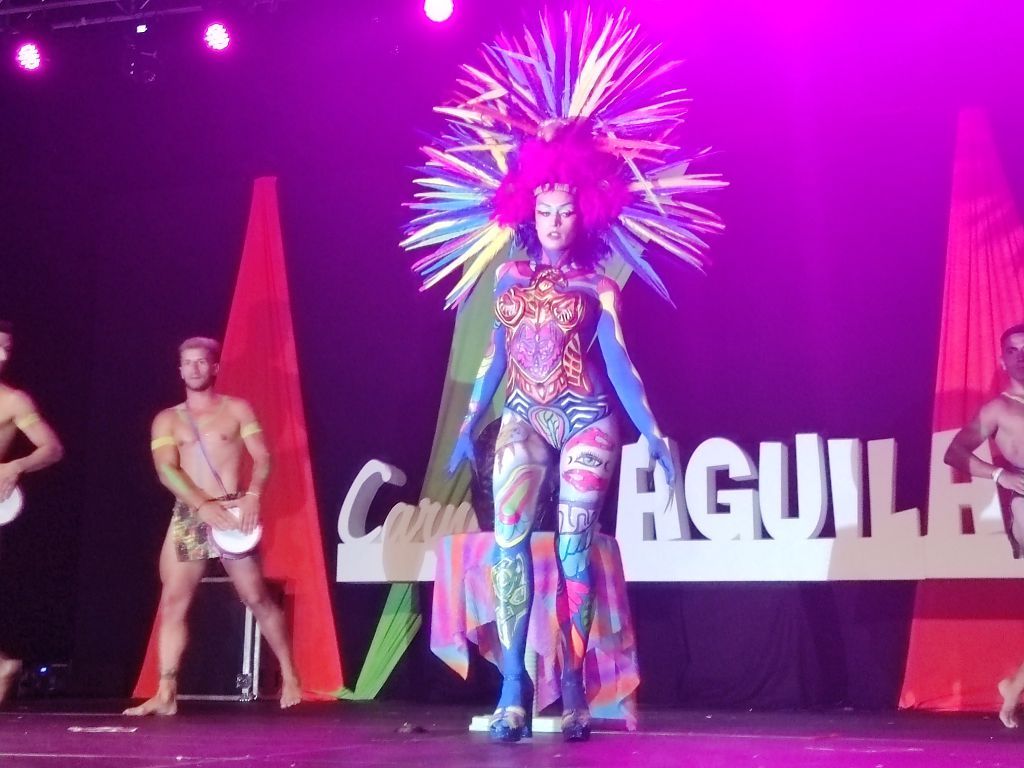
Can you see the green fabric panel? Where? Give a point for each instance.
(398, 625)
(402, 619)
(472, 334)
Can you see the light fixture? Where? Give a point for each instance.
(29, 56)
(217, 37)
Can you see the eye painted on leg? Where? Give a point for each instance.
(588, 459)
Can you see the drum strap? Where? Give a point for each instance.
(202, 449)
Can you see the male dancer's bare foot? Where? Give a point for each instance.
(9, 671)
(1008, 712)
(291, 692)
(164, 703)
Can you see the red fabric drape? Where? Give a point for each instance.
(259, 364)
(966, 635)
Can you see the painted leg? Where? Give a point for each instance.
(587, 463)
(520, 464)
(252, 589)
(179, 585)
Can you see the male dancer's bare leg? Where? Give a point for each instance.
(179, 580)
(252, 589)
(9, 670)
(1010, 689)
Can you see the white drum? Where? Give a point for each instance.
(10, 507)
(234, 542)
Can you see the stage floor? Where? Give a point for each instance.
(375, 735)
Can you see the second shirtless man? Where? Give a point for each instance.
(1001, 420)
(204, 488)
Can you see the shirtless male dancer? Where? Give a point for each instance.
(1001, 420)
(17, 412)
(204, 491)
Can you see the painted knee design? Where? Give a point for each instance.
(576, 525)
(510, 581)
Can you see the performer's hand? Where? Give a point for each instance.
(215, 513)
(658, 448)
(1012, 480)
(9, 475)
(463, 451)
(249, 504)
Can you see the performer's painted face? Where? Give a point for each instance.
(198, 371)
(6, 346)
(557, 220)
(1013, 356)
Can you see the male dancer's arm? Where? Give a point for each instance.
(252, 435)
(168, 469)
(960, 453)
(48, 449)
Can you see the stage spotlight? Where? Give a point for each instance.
(141, 29)
(217, 37)
(438, 10)
(29, 56)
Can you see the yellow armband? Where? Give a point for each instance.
(26, 421)
(161, 442)
(250, 429)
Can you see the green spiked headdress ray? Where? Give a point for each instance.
(604, 80)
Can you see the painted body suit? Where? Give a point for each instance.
(558, 337)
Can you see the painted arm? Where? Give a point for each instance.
(488, 378)
(168, 469)
(625, 379)
(252, 434)
(960, 453)
(48, 449)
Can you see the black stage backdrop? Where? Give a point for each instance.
(122, 213)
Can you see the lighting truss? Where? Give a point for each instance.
(65, 14)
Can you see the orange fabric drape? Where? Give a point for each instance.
(966, 635)
(259, 364)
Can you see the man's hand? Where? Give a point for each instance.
(462, 451)
(1011, 480)
(249, 505)
(9, 474)
(659, 451)
(215, 513)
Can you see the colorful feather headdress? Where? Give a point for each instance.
(565, 87)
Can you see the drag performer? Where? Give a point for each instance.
(1002, 421)
(18, 413)
(197, 451)
(559, 147)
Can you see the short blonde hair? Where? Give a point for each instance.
(211, 346)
